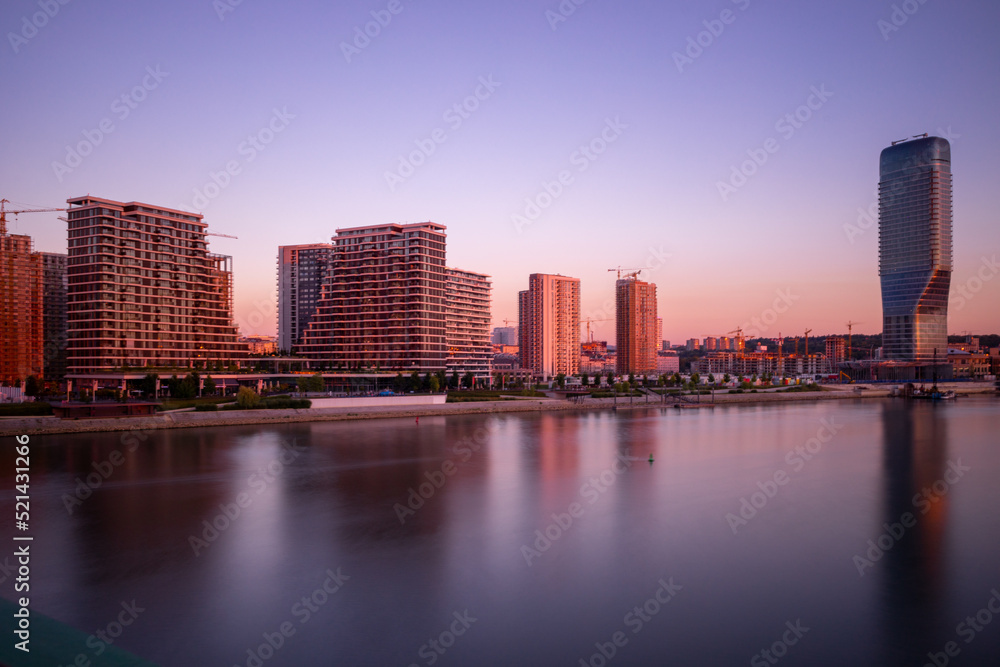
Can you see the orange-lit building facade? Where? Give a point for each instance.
(21, 352)
(635, 327)
(549, 325)
(143, 290)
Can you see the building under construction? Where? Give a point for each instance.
(21, 305)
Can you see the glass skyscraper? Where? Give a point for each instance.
(915, 249)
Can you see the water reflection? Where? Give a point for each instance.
(915, 458)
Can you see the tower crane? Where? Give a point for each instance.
(630, 273)
(850, 326)
(228, 236)
(739, 339)
(590, 337)
(808, 331)
(4, 211)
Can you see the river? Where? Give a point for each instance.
(858, 532)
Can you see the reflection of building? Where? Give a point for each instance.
(54, 331)
(301, 272)
(915, 470)
(21, 304)
(915, 249)
(468, 323)
(549, 325)
(144, 290)
(635, 326)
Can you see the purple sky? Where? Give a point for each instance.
(673, 130)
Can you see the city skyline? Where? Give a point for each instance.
(736, 171)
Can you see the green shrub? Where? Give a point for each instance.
(211, 407)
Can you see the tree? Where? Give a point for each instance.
(675, 380)
(454, 379)
(726, 378)
(148, 384)
(631, 379)
(468, 380)
(209, 385)
(695, 378)
(247, 398)
(425, 384)
(561, 380)
(611, 378)
(399, 384)
(584, 379)
(711, 378)
(435, 384)
(311, 383)
(31, 387)
(415, 381)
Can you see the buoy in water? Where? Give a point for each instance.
(650, 458)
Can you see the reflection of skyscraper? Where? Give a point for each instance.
(915, 248)
(914, 452)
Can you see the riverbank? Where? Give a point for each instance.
(187, 419)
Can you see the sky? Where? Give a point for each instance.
(729, 148)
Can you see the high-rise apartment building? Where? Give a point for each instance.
(21, 305)
(836, 352)
(635, 327)
(54, 324)
(504, 336)
(384, 301)
(468, 324)
(301, 272)
(549, 325)
(711, 344)
(143, 290)
(915, 248)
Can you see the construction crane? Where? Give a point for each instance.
(228, 236)
(630, 273)
(850, 327)
(808, 331)
(739, 338)
(4, 211)
(590, 336)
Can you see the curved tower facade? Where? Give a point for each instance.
(915, 249)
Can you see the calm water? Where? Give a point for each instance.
(650, 563)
